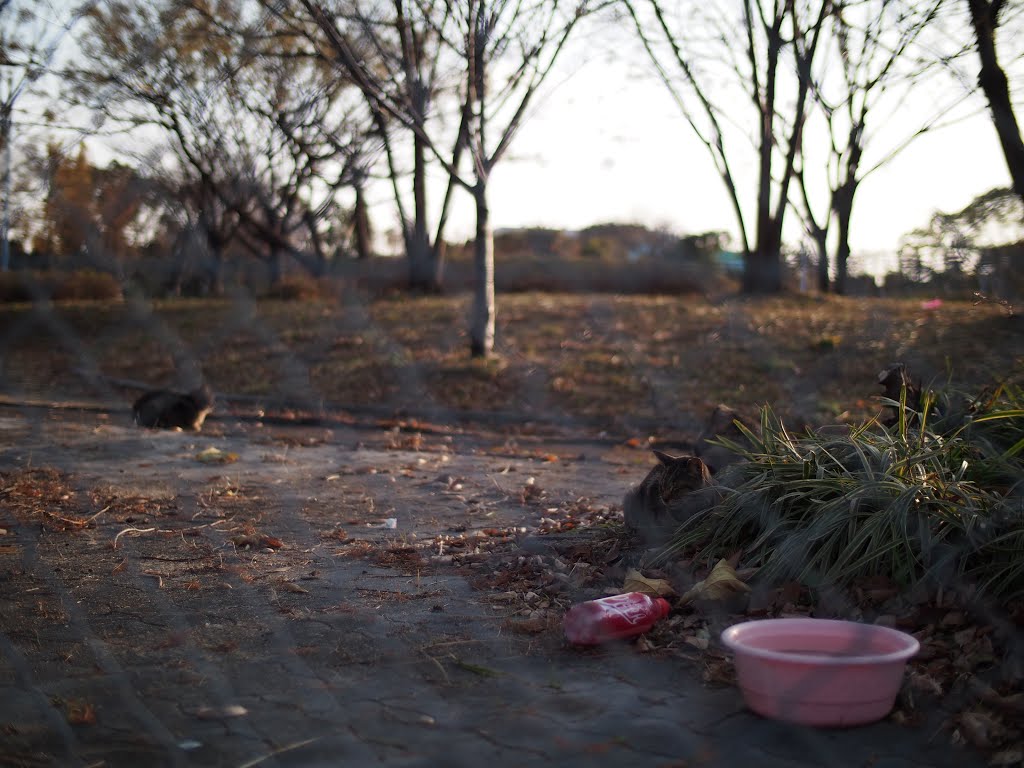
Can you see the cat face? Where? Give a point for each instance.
(681, 474)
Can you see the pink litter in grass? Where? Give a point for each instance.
(819, 671)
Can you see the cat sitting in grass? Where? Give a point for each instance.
(675, 489)
(164, 409)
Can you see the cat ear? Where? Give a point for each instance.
(664, 458)
(695, 466)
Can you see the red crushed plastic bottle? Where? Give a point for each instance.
(611, 618)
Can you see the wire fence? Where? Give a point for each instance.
(365, 554)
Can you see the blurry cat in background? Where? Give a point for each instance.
(164, 409)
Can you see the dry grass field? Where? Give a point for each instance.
(632, 366)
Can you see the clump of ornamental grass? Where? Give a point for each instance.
(936, 496)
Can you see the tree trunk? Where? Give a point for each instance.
(762, 268)
(821, 243)
(423, 268)
(361, 225)
(761, 272)
(756, 271)
(276, 266)
(481, 330)
(844, 211)
(996, 88)
(181, 254)
(842, 257)
(215, 271)
(423, 274)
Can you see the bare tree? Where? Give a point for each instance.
(985, 21)
(307, 139)
(29, 41)
(247, 114)
(726, 57)
(984, 238)
(393, 53)
(869, 43)
(506, 51)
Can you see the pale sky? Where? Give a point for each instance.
(607, 146)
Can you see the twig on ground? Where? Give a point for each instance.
(132, 530)
(440, 666)
(287, 748)
(497, 485)
(90, 519)
(68, 520)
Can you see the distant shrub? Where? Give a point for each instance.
(86, 285)
(14, 287)
(650, 277)
(304, 288)
(598, 248)
(81, 285)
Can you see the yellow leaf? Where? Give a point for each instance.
(216, 456)
(721, 584)
(699, 642)
(637, 582)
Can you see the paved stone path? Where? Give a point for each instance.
(180, 647)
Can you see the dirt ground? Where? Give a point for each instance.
(237, 598)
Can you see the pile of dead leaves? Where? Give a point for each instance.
(968, 665)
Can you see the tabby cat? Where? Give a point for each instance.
(675, 489)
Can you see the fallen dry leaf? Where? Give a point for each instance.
(637, 582)
(1011, 703)
(214, 455)
(529, 626)
(80, 713)
(921, 682)
(718, 671)
(979, 728)
(218, 713)
(338, 534)
(721, 584)
(964, 636)
(954, 619)
(289, 586)
(700, 641)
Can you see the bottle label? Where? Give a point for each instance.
(626, 607)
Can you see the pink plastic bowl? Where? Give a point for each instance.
(819, 671)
